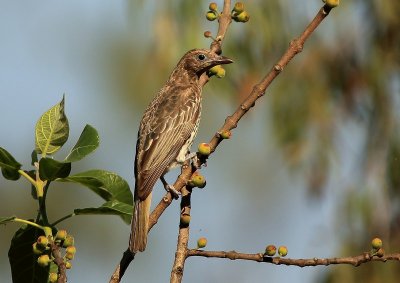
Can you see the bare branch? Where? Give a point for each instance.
(183, 239)
(59, 261)
(122, 266)
(259, 89)
(355, 260)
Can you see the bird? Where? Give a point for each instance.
(166, 132)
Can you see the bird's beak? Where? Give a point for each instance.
(222, 60)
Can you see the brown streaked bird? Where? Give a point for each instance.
(166, 132)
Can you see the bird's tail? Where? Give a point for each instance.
(140, 225)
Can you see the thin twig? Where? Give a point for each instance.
(354, 260)
(259, 89)
(62, 219)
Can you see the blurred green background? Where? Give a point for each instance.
(314, 166)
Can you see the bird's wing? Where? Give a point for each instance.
(166, 126)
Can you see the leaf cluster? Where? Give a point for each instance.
(51, 134)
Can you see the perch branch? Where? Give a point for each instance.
(355, 260)
(58, 260)
(183, 239)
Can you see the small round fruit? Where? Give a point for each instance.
(70, 252)
(220, 73)
(211, 16)
(61, 235)
(242, 17)
(270, 250)
(185, 219)
(70, 249)
(207, 34)
(68, 265)
(226, 134)
(282, 251)
(213, 71)
(53, 277)
(376, 243)
(42, 241)
(69, 241)
(239, 7)
(213, 6)
(331, 3)
(43, 260)
(197, 180)
(204, 149)
(201, 243)
(37, 250)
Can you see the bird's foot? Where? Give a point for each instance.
(170, 188)
(191, 155)
(195, 160)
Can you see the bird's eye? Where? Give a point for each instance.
(201, 57)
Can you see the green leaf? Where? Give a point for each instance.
(8, 161)
(9, 166)
(50, 169)
(109, 208)
(87, 143)
(10, 174)
(92, 183)
(52, 130)
(107, 185)
(5, 220)
(24, 267)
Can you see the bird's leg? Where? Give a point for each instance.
(193, 157)
(170, 188)
(190, 155)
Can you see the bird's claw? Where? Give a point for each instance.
(191, 155)
(175, 194)
(195, 160)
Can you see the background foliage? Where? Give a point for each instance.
(318, 165)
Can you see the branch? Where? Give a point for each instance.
(59, 261)
(119, 271)
(355, 260)
(224, 21)
(295, 47)
(183, 239)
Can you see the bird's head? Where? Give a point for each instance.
(201, 60)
